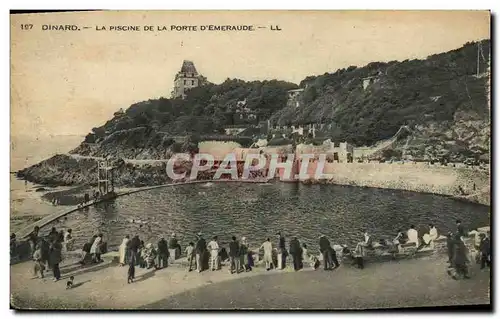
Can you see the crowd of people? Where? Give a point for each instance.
(48, 251)
(456, 248)
(210, 256)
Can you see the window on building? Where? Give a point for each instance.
(184, 82)
(192, 82)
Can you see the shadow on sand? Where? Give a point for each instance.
(83, 270)
(145, 276)
(80, 284)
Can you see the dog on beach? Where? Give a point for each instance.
(69, 284)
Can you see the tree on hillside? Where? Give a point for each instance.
(391, 154)
(190, 145)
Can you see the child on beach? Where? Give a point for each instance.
(39, 264)
(190, 254)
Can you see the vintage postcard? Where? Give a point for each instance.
(250, 160)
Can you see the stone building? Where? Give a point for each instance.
(294, 97)
(243, 113)
(337, 152)
(342, 152)
(369, 80)
(187, 78)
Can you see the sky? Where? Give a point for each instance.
(67, 82)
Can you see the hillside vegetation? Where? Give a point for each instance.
(440, 91)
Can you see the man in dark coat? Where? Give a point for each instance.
(282, 253)
(53, 235)
(33, 238)
(296, 252)
(200, 248)
(163, 253)
(234, 255)
(135, 244)
(485, 249)
(326, 250)
(55, 258)
(450, 246)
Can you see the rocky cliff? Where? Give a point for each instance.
(63, 170)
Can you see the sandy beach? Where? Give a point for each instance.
(402, 283)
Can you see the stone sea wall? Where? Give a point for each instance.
(467, 183)
(471, 184)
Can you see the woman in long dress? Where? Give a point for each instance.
(68, 240)
(95, 250)
(123, 251)
(460, 258)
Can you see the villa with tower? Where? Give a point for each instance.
(187, 78)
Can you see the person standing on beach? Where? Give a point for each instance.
(68, 240)
(33, 239)
(450, 247)
(95, 250)
(326, 250)
(282, 253)
(234, 255)
(485, 249)
(296, 252)
(267, 246)
(246, 261)
(163, 253)
(460, 258)
(213, 247)
(55, 258)
(86, 250)
(134, 246)
(39, 266)
(122, 250)
(173, 243)
(201, 247)
(190, 255)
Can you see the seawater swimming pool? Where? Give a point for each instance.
(258, 211)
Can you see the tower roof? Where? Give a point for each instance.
(188, 67)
